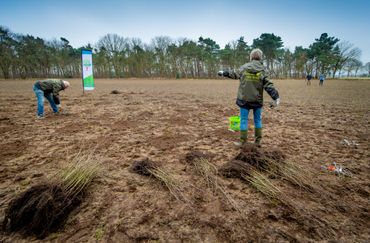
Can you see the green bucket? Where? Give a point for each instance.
(234, 123)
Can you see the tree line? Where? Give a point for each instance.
(26, 56)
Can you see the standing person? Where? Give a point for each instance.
(253, 79)
(321, 78)
(49, 89)
(308, 78)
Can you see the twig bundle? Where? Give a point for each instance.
(45, 207)
(148, 168)
(262, 184)
(209, 172)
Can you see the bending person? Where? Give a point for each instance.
(49, 89)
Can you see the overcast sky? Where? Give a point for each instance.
(297, 22)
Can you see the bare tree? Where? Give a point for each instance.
(367, 68)
(345, 53)
(357, 66)
(115, 46)
(160, 45)
(352, 65)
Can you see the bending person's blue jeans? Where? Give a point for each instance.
(40, 101)
(257, 117)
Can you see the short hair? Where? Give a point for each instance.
(256, 54)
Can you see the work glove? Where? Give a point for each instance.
(275, 103)
(223, 73)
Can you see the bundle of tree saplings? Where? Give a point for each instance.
(45, 207)
(258, 166)
(149, 168)
(201, 163)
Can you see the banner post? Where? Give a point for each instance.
(87, 70)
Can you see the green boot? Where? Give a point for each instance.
(243, 138)
(258, 135)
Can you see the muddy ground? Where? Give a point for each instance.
(163, 120)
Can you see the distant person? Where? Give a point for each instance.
(253, 79)
(49, 89)
(321, 78)
(308, 78)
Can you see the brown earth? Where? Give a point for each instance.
(164, 120)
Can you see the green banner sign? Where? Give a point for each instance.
(87, 70)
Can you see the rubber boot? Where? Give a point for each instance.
(258, 136)
(243, 139)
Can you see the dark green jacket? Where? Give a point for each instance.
(51, 86)
(253, 79)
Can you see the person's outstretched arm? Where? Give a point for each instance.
(229, 74)
(270, 89)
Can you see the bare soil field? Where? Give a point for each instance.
(165, 121)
